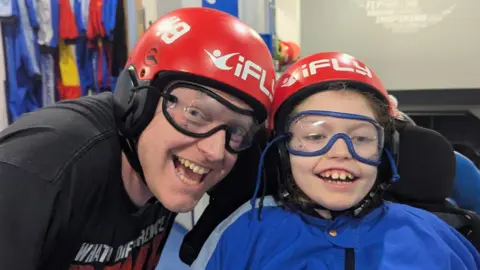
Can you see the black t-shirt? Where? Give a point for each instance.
(62, 200)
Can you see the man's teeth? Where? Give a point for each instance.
(194, 167)
(186, 179)
(337, 175)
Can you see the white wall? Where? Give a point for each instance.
(155, 9)
(250, 11)
(287, 20)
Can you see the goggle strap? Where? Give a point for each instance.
(260, 168)
(393, 166)
(156, 91)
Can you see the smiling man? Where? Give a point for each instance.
(94, 183)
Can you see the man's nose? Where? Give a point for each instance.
(213, 146)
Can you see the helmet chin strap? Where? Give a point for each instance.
(372, 199)
(129, 148)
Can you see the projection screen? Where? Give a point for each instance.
(411, 44)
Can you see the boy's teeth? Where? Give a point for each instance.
(339, 182)
(334, 175)
(192, 166)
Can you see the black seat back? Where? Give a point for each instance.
(427, 175)
(426, 165)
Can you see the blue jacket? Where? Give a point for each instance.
(393, 236)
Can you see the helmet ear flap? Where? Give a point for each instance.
(125, 99)
(135, 105)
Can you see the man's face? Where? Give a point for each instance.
(179, 169)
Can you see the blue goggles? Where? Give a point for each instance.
(314, 133)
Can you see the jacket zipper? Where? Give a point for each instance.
(349, 259)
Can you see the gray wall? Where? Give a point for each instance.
(440, 51)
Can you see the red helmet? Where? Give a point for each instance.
(209, 47)
(290, 52)
(308, 74)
